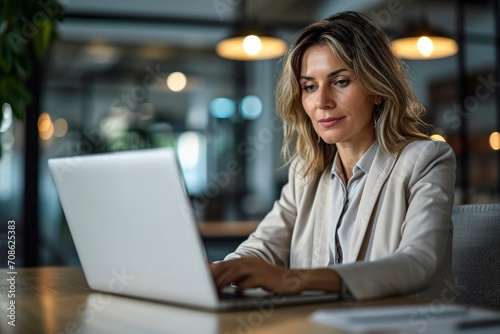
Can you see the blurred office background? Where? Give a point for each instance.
(130, 74)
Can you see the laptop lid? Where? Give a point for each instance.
(135, 233)
(133, 226)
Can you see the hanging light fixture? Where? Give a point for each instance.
(251, 47)
(424, 42)
(247, 43)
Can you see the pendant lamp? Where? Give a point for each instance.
(250, 42)
(425, 43)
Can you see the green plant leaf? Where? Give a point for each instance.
(14, 10)
(5, 55)
(23, 27)
(16, 104)
(19, 89)
(41, 40)
(14, 92)
(46, 33)
(17, 42)
(18, 111)
(57, 12)
(6, 11)
(4, 25)
(23, 66)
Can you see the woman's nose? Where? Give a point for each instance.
(324, 99)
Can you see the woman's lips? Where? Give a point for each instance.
(330, 121)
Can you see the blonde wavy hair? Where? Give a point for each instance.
(361, 46)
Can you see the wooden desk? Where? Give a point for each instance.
(233, 229)
(222, 238)
(56, 300)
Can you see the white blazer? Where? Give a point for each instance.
(401, 242)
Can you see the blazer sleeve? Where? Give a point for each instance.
(427, 182)
(272, 238)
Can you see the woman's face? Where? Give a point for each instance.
(340, 109)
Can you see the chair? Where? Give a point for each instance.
(476, 253)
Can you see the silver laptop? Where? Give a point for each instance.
(135, 233)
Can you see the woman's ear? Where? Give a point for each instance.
(378, 99)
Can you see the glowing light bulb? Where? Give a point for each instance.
(252, 45)
(425, 46)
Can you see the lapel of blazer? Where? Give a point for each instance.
(322, 219)
(381, 168)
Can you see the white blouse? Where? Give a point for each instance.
(345, 203)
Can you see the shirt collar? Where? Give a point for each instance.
(363, 164)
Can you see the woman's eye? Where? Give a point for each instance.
(342, 83)
(308, 88)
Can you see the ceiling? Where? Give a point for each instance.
(202, 23)
(113, 42)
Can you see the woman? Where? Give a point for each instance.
(367, 208)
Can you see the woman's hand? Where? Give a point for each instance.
(251, 272)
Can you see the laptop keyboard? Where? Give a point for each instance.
(230, 293)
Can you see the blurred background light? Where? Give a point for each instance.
(425, 47)
(222, 107)
(188, 149)
(252, 45)
(176, 81)
(495, 141)
(60, 127)
(146, 111)
(6, 117)
(102, 53)
(45, 126)
(44, 122)
(251, 107)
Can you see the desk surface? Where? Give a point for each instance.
(57, 300)
(234, 229)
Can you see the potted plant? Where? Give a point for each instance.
(27, 28)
